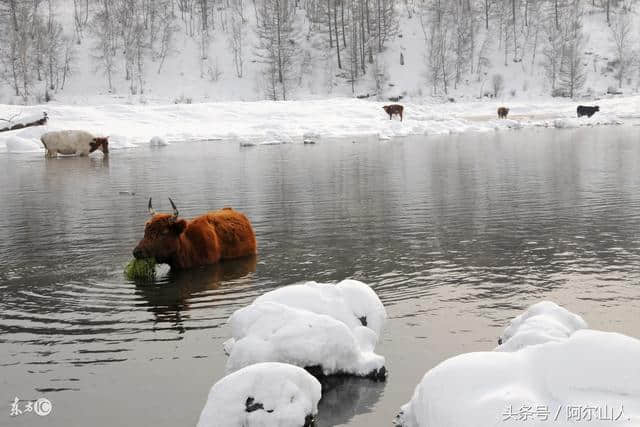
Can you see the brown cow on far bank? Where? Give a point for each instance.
(503, 112)
(394, 109)
(207, 239)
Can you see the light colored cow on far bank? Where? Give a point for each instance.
(73, 142)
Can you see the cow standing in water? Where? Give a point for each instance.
(73, 142)
(503, 112)
(207, 239)
(394, 109)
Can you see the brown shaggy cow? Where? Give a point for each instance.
(503, 112)
(394, 109)
(207, 239)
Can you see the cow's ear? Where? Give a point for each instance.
(179, 226)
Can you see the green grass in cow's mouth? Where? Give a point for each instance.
(141, 269)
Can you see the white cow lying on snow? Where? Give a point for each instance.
(70, 142)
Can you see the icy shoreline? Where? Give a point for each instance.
(268, 122)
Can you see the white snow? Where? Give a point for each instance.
(270, 122)
(20, 145)
(556, 367)
(262, 395)
(540, 323)
(311, 325)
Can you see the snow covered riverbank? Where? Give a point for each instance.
(293, 121)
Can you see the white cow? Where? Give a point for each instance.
(69, 142)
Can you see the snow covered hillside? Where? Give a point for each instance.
(131, 51)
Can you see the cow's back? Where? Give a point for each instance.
(234, 233)
(68, 141)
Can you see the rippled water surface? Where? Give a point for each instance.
(456, 234)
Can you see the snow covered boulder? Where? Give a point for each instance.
(587, 376)
(540, 323)
(331, 329)
(16, 144)
(310, 137)
(263, 395)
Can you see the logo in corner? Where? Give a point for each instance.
(42, 407)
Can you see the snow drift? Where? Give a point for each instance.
(334, 328)
(263, 395)
(549, 369)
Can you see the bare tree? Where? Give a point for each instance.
(440, 38)
(165, 28)
(497, 82)
(572, 73)
(553, 52)
(622, 34)
(237, 35)
(104, 29)
(276, 45)
(80, 17)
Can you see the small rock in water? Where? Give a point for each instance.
(309, 141)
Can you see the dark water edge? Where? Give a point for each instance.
(456, 234)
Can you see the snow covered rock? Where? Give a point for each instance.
(157, 141)
(310, 137)
(263, 395)
(117, 141)
(16, 144)
(596, 120)
(540, 323)
(564, 375)
(333, 328)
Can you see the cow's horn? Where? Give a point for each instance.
(151, 210)
(175, 210)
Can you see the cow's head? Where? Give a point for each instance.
(98, 142)
(597, 108)
(161, 235)
(388, 109)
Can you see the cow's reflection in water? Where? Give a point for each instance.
(344, 397)
(171, 297)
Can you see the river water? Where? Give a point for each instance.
(457, 235)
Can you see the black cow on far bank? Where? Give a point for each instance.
(584, 110)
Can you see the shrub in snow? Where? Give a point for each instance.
(331, 328)
(157, 141)
(612, 90)
(549, 364)
(497, 82)
(262, 395)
